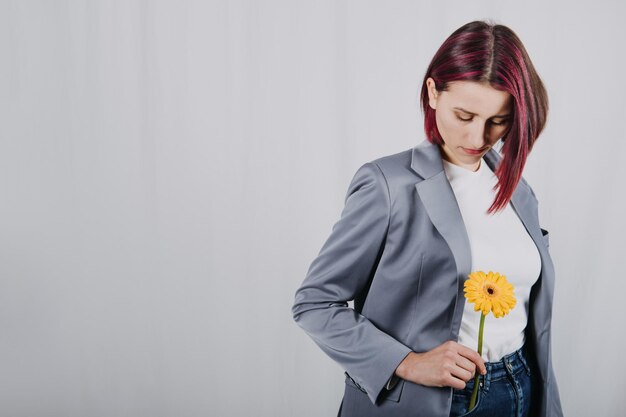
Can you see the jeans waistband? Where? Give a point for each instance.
(510, 364)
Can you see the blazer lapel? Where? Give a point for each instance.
(443, 210)
(440, 203)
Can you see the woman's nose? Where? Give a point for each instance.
(479, 136)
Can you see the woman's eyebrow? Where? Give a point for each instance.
(474, 114)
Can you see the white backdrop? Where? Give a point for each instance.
(169, 170)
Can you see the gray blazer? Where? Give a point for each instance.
(400, 250)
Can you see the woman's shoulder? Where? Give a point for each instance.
(392, 172)
(395, 165)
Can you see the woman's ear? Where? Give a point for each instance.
(432, 93)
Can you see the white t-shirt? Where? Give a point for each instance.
(499, 243)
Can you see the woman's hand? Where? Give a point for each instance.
(448, 365)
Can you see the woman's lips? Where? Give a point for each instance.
(473, 152)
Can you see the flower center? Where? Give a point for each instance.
(490, 289)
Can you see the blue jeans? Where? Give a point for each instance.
(505, 391)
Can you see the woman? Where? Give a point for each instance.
(416, 223)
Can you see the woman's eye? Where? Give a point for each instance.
(502, 123)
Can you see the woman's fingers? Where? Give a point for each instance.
(467, 367)
(461, 374)
(453, 382)
(474, 357)
(449, 364)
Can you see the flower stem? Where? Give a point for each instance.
(480, 352)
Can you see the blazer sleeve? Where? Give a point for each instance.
(343, 267)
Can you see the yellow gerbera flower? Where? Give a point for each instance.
(490, 292)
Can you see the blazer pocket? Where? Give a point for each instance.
(546, 237)
(385, 395)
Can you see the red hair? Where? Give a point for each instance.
(491, 53)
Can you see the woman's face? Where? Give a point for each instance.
(471, 116)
